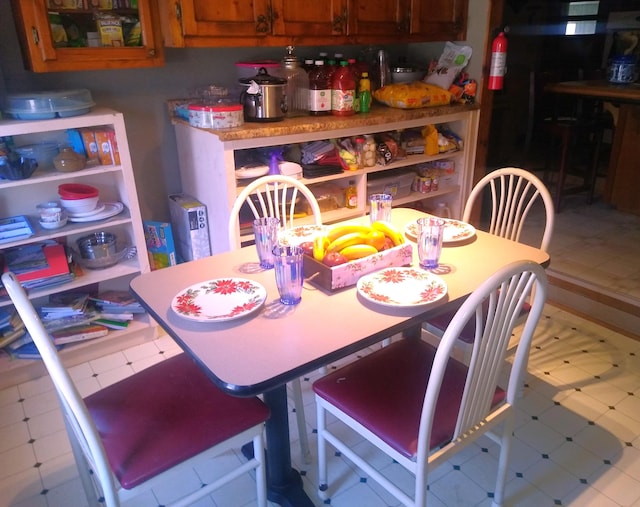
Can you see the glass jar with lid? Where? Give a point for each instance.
(297, 89)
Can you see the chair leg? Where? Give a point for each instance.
(562, 170)
(322, 454)
(503, 461)
(594, 166)
(298, 403)
(261, 476)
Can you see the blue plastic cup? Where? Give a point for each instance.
(265, 231)
(289, 273)
(430, 233)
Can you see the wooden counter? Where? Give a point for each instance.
(623, 178)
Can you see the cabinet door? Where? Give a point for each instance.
(383, 18)
(204, 23)
(439, 20)
(42, 35)
(310, 19)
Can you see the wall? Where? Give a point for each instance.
(141, 94)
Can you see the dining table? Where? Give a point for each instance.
(259, 352)
(623, 174)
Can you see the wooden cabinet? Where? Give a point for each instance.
(116, 184)
(43, 54)
(208, 159)
(202, 23)
(438, 20)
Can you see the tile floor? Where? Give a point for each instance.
(577, 437)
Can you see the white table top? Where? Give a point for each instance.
(279, 343)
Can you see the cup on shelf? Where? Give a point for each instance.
(430, 233)
(52, 216)
(380, 207)
(289, 273)
(265, 230)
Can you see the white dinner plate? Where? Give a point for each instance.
(219, 300)
(244, 173)
(110, 209)
(300, 234)
(98, 209)
(402, 287)
(454, 230)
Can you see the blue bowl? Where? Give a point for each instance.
(15, 167)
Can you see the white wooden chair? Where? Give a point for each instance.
(420, 406)
(135, 434)
(514, 192)
(276, 196)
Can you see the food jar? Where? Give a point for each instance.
(68, 160)
(622, 69)
(226, 115)
(200, 115)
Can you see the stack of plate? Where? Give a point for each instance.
(82, 204)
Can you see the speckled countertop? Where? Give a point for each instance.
(379, 115)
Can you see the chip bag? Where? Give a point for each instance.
(412, 95)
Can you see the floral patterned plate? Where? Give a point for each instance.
(219, 300)
(402, 287)
(300, 234)
(454, 231)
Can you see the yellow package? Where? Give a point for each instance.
(430, 134)
(412, 95)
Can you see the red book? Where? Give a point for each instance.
(58, 265)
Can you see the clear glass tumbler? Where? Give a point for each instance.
(380, 207)
(265, 230)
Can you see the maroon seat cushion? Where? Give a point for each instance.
(384, 391)
(164, 415)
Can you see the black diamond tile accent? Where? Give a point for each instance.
(303, 472)
(520, 475)
(611, 407)
(566, 362)
(314, 430)
(547, 373)
(584, 481)
(44, 491)
(557, 502)
(21, 400)
(557, 403)
(456, 467)
(545, 456)
(31, 440)
(606, 461)
(631, 394)
(338, 453)
(490, 494)
(628, 444)
(615, 365)
(37, 465)
(94, 375)
(585, 351)
(363, 480)
(25, 419)
(596, 376)
(591, 423)
(484, 449)
(129, 363)
(569, 439)
(534, 417)
(578, 390)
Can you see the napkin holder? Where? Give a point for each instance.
(347, 274)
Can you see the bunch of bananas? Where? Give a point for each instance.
(344, 243)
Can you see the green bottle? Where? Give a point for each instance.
(364, 93)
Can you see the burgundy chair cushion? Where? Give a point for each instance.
(164, 415)
(384, 391)
(468, 333)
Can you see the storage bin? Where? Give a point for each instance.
(398, 184)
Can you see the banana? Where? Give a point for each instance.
(358, 251)
(351, 238)
(320, 244)
(389, 231)
(340, 230)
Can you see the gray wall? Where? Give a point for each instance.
(141, 94)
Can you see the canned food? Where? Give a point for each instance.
(227, 116)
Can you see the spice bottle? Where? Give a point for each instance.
(364, 93)
(297, 90)
(360, 151)
(319, 90)
(343, 91)
(351, 195)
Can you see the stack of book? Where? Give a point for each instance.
(11, 327)
(116, 308)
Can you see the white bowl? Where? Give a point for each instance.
(54, 225)
(79, 205)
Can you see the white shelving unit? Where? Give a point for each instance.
(207, 158)
(116, 183)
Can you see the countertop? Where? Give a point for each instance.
(379, 115)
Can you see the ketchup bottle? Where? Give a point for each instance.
(343, 91)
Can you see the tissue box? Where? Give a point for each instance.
(347, 274)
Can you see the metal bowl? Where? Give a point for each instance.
(97, 245)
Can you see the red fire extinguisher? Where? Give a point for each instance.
(498, 62)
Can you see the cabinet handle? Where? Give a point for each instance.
(339, 22)
(178, 11)
(34, 34)
(262, 24)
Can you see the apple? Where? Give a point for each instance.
(388, 243)
(334, 259)
(307, 246)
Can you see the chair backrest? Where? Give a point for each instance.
(80, 426)
(276, 196)
(495, 305)
(514, 192)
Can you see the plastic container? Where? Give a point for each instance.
(48, 104)
(397, 185)
(68, 160)
(319, 90)
(43, 153)
(622, 69)
(343, 91)
(77, 191)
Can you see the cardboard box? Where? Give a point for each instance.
(190, 226)
(347, 274)
(104, 145)
(160, 245)
(90, 146)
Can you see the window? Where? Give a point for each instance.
(581, 18)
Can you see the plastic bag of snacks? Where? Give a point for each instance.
(412, 95)
(464, 89)
(454, 58)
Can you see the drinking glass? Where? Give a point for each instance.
(380, 207)
(430, 232)
(265, 230)
(289, 273)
